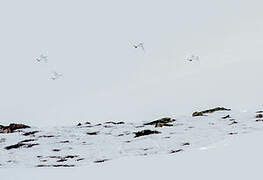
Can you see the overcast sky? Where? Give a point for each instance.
(105, 78)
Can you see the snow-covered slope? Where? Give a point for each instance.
(236, 158)
(75, 146)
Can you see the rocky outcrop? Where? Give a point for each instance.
(20, 144)
(145, 132)
(56, 165)
(12, 127)
(114, 123)
(202, 113)
(30, 133)
(161, 122)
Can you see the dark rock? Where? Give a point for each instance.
(30, 133)
(259, 120)
(55, 157)
(225, 117)
(71, 156)
(46, 136)
(202, 113)
(79, 124)
(145, 132)
(115, 123)
(186, 144)
(101, 161)
(233, 122)
(56, 150)
(259, 116)
(57, 165)
(20, 144)
(80, 159)
(64, 142)
(259, 112)
(176, 151)
(61, 160)
(15, 146)
(43, 165)
(197, 114)
(92, 133)
(18, 126)
(27, 140)
(107, 126)
(63, 165)
(12, 127)
(232, 133)
(167, 137)
(161, 122)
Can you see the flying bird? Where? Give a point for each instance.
(140, 45)
(42, 58)
(55, 75)
(193, 58)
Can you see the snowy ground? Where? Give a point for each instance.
(238, 157)
(81, 145)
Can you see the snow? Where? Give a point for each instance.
(236, 158)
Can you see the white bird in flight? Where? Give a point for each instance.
(193, 58)
(140, 45)
(55, 75)
(42, 58)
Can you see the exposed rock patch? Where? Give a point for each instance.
(114, 123)
(92, 133)
(46, 136)
(259, 116)
(161, 122)
(56, 150)
(176, 151)
(232, 133)
(233, 122)
(20, 144)
(101, 161)
(186, 144)
(12, 127)
(226, 117)
(56, 165)
(27, 140)
(145, 132)
(202, 113)
(30, 133)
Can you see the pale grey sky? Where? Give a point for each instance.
(105, 78)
